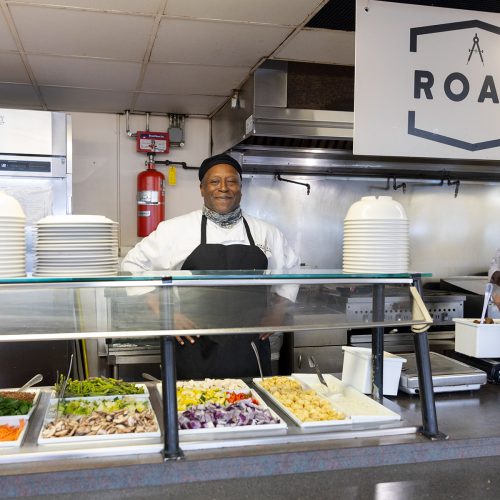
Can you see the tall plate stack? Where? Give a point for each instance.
(76, 246)
(376, 237)
(12, 238)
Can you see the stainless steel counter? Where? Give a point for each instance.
(470, 419)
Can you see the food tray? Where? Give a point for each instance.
(32, 409)
(50, 413)
(477, 340)
(53, 394)
(305, 425)
(361, 408)
(15, 422)
(236, 432)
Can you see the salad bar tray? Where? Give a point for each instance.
(224, 409)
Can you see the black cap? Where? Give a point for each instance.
(218, 160)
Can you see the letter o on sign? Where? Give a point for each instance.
(465, 87)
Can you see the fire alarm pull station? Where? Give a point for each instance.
(153, 142)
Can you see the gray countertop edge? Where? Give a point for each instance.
(93, 476)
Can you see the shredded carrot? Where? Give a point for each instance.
(9, 432)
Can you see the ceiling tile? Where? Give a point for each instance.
(193, 79)
(19, 96)
(144, 6)
(82, 72)
(82, 33)
(12, 69)
(6, 40)
(282, 12)
(68, 99)
(320, 46)
(184, 104)
(226, 44)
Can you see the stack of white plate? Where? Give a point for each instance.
(12, 238)
(376, 237)
(76, 246)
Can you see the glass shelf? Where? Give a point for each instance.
(217, 302)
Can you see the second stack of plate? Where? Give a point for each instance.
(376, 237)
(12, 238)
(76, 246)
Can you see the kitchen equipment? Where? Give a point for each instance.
(487, 297)
(37, 378)
(256, 351)
(477, 340)
(448, 375)
(490, 366)
(313, 364)
(357, 370)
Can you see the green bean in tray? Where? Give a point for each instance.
(97, 386)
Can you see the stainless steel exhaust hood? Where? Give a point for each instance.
(266, 108)
(297, 118)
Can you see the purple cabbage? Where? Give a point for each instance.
(238, 414)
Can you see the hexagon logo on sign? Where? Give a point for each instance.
(456, 94)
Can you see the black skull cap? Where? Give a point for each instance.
(218, 160)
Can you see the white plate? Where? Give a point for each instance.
(76, 219)
(375, 252)
(68, 274)
(80, 261)
(376, 222)
(14, 421)
(49, 416)
(36, 392)
(306, 425)
(9, 217)
(11, 224)
(103, 242)
(74, 268)
(373, 270)
(76, 234)
(347, 399)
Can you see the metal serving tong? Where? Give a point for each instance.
(313, 364)
(256, 351)
(63, 388)
(487, 296)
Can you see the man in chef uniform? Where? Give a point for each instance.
(220, 237)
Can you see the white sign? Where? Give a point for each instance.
(427, 82)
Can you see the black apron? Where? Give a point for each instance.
(222, 356)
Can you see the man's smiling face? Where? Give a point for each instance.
(221, 188)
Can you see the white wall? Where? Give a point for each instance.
(106, 164)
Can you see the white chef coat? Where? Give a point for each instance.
(174, 240)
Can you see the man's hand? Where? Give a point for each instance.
(181, 322)
(495, 278)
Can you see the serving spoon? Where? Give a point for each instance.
(487, 296)
(32, 381)
(313, 364)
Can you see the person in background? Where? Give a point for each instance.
(220, 237)
(494, 269)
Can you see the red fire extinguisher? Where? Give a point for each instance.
(150, 198)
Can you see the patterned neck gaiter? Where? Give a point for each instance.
(226, 221)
